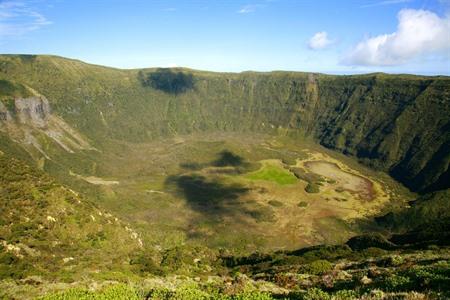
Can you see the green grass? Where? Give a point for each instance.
(273, 173)
(8, 88)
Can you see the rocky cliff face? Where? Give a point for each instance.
(30, 121)
(396, 123)
(33, 111)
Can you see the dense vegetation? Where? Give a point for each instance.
(324, 272)
(48, 230)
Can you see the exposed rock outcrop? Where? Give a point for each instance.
(31, 122)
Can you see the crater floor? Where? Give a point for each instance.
(242, 192)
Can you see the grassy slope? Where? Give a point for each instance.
(49, 231)
(423, 211)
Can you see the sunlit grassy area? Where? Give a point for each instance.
(274, 173)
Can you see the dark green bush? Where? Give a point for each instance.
(176, 257)
(306, 176)
(327, 252)
(316, 294)
(365, 241)
(8, 258)
(345, 295)
(276, 203)
(373, 252)
(312, 188)
(302, 204)
(318, 267)
(143, 263)
(396, 282)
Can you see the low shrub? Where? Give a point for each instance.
(276, 203)
(394, 283)
(316, 294)
(252, 296)
(143, 263)
(118, 291)
(312, 188)
(318, 267)
(345, 295)
(302, 204)
(190, 292)
(365, 241)
(373, 252)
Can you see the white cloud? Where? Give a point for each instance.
(386, 2)
(246, 9)
(419, 33)
(18, 18)
(249, 8)
(319, 41)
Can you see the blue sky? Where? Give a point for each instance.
(352, 36)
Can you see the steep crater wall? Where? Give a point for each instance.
(395, 123)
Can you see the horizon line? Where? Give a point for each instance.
(331, 73)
